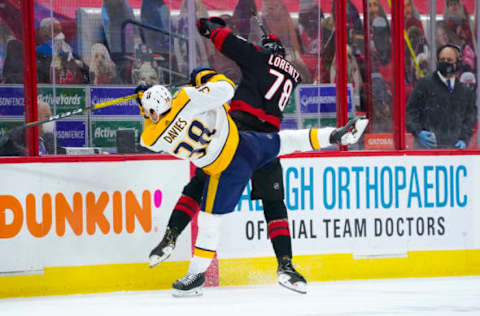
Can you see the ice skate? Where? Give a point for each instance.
(164, 248)
(350, 133)
(189, 285)
(289, 277)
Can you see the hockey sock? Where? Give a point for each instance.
(183, 213)
(304, 139)
(275, 213)
(279, 235)
(206, 243)
(201, 260)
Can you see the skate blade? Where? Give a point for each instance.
(299, 287)
(190, 293)
(156, 259)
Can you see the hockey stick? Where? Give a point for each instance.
(260, 24)
(91, 108)
(80, 110)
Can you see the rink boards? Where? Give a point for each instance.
(84, 227)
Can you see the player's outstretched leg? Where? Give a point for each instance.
(165, 248)
(289, 277)
(318, 138)
(189, 285)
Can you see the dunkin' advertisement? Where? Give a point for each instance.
(62, 214)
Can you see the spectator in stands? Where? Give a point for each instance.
(355, 52)
(353, 76)
(55, 59)
(416, 63)
(5, 36)
(13, 67)
(242, 19)
(277, 20)
(145, 68)
(102, 68)
(12, 143)
(327, 50)
(114, 13)
(443, 35)
(382, 75)
(309, 17)
(441, 112)
(380, 34)
(458, 21)
(156, 13)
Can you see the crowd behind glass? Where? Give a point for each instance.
(308, 36)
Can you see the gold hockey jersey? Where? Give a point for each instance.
(197, 127)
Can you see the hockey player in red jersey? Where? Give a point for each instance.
(268, 80)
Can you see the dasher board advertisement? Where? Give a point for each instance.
(366, 206)
(64, 214)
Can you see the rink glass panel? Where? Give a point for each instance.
(82, 60)
(12, 107)
(87, 53)
(443, 22)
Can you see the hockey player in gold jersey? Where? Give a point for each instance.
(195, 125)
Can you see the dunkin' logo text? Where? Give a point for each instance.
(83, 213)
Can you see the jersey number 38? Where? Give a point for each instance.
(200, 137)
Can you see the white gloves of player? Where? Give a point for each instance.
(350, 133)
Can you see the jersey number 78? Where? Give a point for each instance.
(285, 86)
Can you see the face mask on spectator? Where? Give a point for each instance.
(446, 69)
(48, 127)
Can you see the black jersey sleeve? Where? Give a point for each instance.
(236, 48)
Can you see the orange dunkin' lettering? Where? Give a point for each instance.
(8, 202)
(39, 229)
(134, 210)
(117, 212)
(94, 210)
(65, 213)
(72, 212)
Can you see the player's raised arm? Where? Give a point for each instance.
(234, 47)
(213, 88)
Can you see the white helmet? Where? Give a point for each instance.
(157, 99)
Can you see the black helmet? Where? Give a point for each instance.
(273, 45)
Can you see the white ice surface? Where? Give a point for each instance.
(425, 296)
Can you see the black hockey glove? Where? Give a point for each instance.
(350, 133)
(139, 90)
(200, 75)
(207, 26)
(218, 20)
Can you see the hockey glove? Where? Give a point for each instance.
(207, 26)
(427, 139)
(200, 75)
(218, 20)
(350, 133)
(461, 144)
(139, 90)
